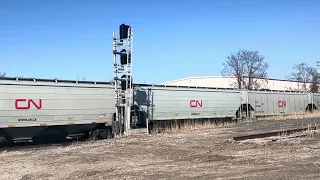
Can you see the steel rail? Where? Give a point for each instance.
(274, 133)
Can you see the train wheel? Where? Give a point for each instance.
(2, 139)
(98, 134)
(110, 134)
(94, 135)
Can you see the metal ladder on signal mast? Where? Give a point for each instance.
(123, 78)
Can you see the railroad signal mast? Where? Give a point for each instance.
(122, 47)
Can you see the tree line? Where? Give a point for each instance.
(250, 70)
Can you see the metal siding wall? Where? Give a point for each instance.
(60, 105)
(270, 105)
(316, 100)
(280, 97)
(265, 104)
(302, 102)
(295, 102)
(175, 103)
(243, 97)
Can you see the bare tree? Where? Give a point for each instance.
(3, 74)
(234, 66)
(304, 74)
(301, 74)
(248, 67)
(315, 80)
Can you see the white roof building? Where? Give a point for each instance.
(229, 82)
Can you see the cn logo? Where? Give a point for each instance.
(282, 104)
(25, 104)
(195, 103)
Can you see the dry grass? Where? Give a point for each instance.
(202, 154)
(312, 132)
(187, 127)
(291, 116)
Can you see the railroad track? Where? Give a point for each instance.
(28, 146)
(275, 133)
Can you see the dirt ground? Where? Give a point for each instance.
(201, 154)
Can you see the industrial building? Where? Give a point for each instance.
(230, 82)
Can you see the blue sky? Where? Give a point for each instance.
(172, 39)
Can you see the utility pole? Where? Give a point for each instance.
(123, 77)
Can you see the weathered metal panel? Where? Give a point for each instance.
(275, 103)
(316, 100)
(54, 103)
(182, 103)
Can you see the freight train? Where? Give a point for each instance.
(38, 109)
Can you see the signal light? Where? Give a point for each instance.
(125, 85)
(124, 57)
(124, 29)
